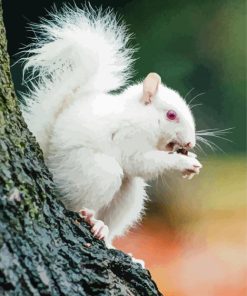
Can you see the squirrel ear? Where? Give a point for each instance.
(150, 87)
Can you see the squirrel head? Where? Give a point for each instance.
(176, 122)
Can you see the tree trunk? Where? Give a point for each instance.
(45, 249)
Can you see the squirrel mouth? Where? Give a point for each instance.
(174, 146)
(171, 146)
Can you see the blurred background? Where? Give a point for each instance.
(194, 235)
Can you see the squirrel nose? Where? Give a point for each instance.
(188, 145)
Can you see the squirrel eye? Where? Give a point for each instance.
(171, 115)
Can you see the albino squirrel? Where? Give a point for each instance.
(100, 147)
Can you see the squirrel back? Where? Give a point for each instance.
(76, 51)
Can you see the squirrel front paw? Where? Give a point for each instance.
(188, 165)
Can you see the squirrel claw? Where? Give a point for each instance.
(98, 227)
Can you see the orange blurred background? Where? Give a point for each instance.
(193, 238)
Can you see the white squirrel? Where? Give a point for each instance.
(100, 147)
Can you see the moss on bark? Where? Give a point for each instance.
(45, 249)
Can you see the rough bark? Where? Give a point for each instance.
(45, 249)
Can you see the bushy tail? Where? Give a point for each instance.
(85, 45)
(75, 51)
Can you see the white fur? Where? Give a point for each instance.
(101, 147)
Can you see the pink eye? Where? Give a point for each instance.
(171, 115)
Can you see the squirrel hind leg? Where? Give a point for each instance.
(126, 207)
